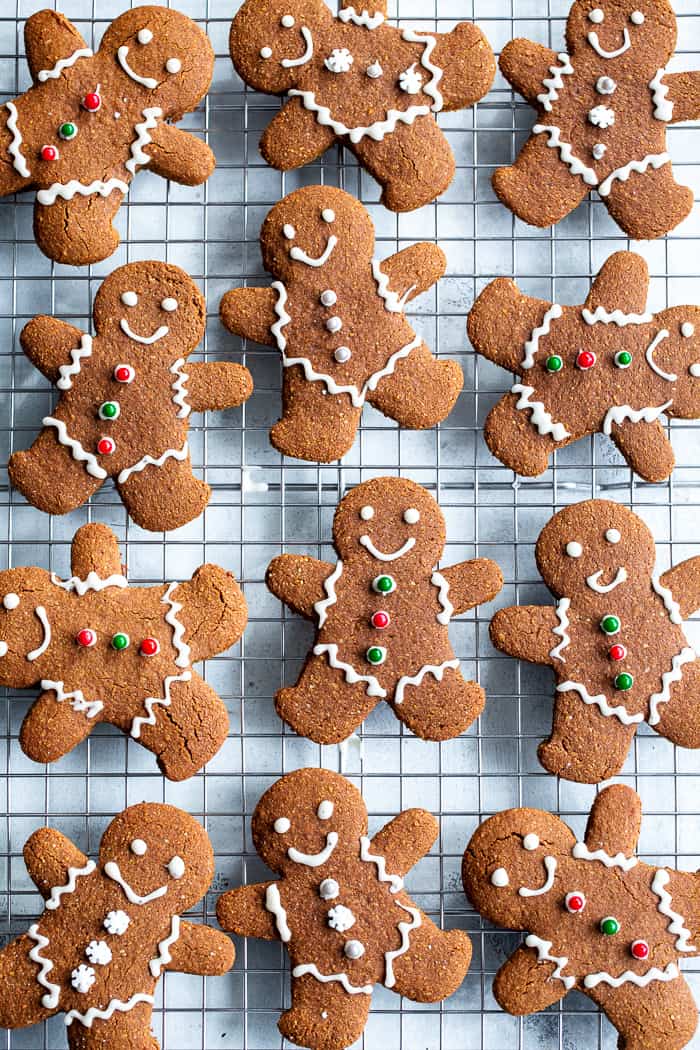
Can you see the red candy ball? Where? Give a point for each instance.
(92, 102)
(124, 374)
(149, 647)
(380, 620)
(106, 445)
(49, 153)
(585, 359)
(575, 902)
(617, 652)
(87, 638)
(639, 949)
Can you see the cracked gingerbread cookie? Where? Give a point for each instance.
(126, 396)
(107, 652)
(609, 366)
(110, 928)
(357, 80)
(335, 313)
(382, 613)
(614, 640)
(603, 109)
(91, 121)
(599, 920)
(340, 908)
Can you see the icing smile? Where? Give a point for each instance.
(111, 870)
(550, 864)
(289, 63)
(595, 44)
(40, 612)
(148, 82)
(299, 255)
(159, 333)
(315, 860)
(380, 556)
(594, 583)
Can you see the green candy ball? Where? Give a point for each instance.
(624, 681)
(610, 624)
(609, 926)
(554, 363)
(120, 641)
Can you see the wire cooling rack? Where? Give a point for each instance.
(262, 505)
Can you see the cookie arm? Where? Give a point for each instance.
(243, 911)
(472, 582)
(48, 855)
(525, 65)
(48, 37)
(178, 155)
(405, 840)
(683, 580)
(201, 949)
(646, 448)
(250, 313)
(523, 985)
(526, 632)
(502, 320)
(216, 385)
(294, 137)
(622, 284)
(48, 342)
(615, 821)
(684, 93)
(298, 581)
(413, 270)
(214, 612)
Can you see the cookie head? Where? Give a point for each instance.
(25, 624)
(165, 56)
(638, 34)
(512, 863)
(389, 521)
(306, 818)
(273, 43)
(678, 354)
(595, 547)
(151, 307)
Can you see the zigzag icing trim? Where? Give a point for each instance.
(19, 162)
(321, 607)
(672, 607)
(601, 316)
(405, 929)
(143, 137)
(540, 418)
(330, 649)
(50, 1001)
(532, 346)
(376, 131)
(150, 702)
(362, 18)
(77, 451)
(376, 858)
(555, 83)
(115, 1006)
(443, 585)
(436, 670)
(92, 582)
(164, 956)
(90, 708)
(663, 107)
(342, 978)
(149, 461)
(618, 860)
(561, 629)
(677, 925)
(63, 63)
(180, 389)
(641, 980)
(601, 701)
(77, 354)
(685, 656)
(544, 949)
(68, 190)
(619, 413)
(183, 649)
(652, 160)
(69, 887)
(566, 152)
(392, 302)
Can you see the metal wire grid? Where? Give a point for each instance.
(261, 505)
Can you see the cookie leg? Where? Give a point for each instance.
(20, 1002)
(649, 205)
(323, 1016)
(449, 952)
(164, 498)
(322, 705)
(78, 231)
(679, 719)
(52, 728)
(414, 164)
(512, 438)
(663, 1014)
(130, 1030)
(47, 475)
(187, 733)
(539, 188)
(315, 425)
(585, 745)
(421, 391)
(646, 448)
(435, 710)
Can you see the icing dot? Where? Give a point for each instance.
(411, 516)
(169, 305)
(637, 18)
(329, 889)
(173, 65)
(575, 902)
(354, 949)
(605, 85)
(130, 298)
(342, 354)
(328, 215)
(531, 841)
(266, 52)
(374, 71)
(574, 549)
(599, 151)
(144, 36)
(138, 846)
(687, 329)
(334, 324)
(585, 359)
(11, 600)
(287, 21)
(106, 445)
(325, 810)
(289, 231)
(500, 878)
(613, 535)
(617, 652)
(554, 363)
(596, 16)
(176, 867)
(68, 131)
(367, 513)
(695, 371)
(3, 649)
(329, 298)
(282, 825)
(108, 410)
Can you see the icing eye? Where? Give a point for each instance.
(637, 18)
(531, 841)
(325, 810)
(3, 649)
(287, 21)
(130, 298)
(176, 867)
(138, 846)
(173, 65)
(11, 601)
(367, 513)
(613, 536)
(500, 878)
(687, 330)
(695, 371)
(596, 16)
(328, 215)
(170, 305)
(411, 516)
(144, 36)
(266, 52)
(282, 825)
(574, 549)
(289, 231)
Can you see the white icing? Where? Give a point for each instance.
(92, 582)
(566, 152)
(90, 708)
(340, 918)
(392, 302)
(637, 18)
(173, 65)
(550, 864)
(531, 841)
(77, 354)
(601, 117)
(694, 370)
(40, 613)
(115, 1006)
(74, 874)
(446, 606)
(321, 607)
(82, 978)
(143, 138)
(405, 929)
(540, 418)
(354, 949)
(149, 719)
(618, 860)
(176, 867)
(601, 701)
(351, 675)
(10, 601)
(685, 656)
(328, 298)
(149, 461)
(641, 980)
(543, 955)
(601, 316)
(652, 160)
(605, 588)
(180, 389)
(183, 649)
(116, 922)
(671, 605)
(339, 61)
(67, 190)
(613, 535)
(169, 304)
(3, 649)
(19, 162)
(395, 881)
(670, 377)
(63, 63)
(164, 957)
(367, 513)
(50, 1001)
(325, 810)
(533, 343)
(362, 18)
(329, 890)
(342, 978)
(289, 231)
(99, 953)
(436, 670)
(144, 36)
(411, 80)
(600, 50)
(596, 16)
(122, 58)
(315, 860)
(282, 825)
(554, 84)
(111, 870)
(273, 903)
(429, 45)
(663, 107)
(287, 21)
(619, 413)
(366, 542)
(145, 340)
(334, 324)
(290, 63)
(374, 71)
(687, 330)
(599, 150)
(605, 86)
(677, 925)
(500, 878)
(574, 549)
(299, 255)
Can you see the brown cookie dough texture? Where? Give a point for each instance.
(126, 395)
(107, 652)
(91, 121)
(602, 113)
(110, 928)
(382, 613)
(340, 907)
(609, 366)
(614, 640)
(335, 313)
(357, 80)
(599, 920)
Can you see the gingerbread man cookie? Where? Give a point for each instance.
(603, 107)
(110, 929)
(599, 920)
(126, 395)
(91, 121)
(340, 907)
(357, 80)
(614, 640)
(609, 366)
(382, 614)
(335, 313)
(107, 652)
